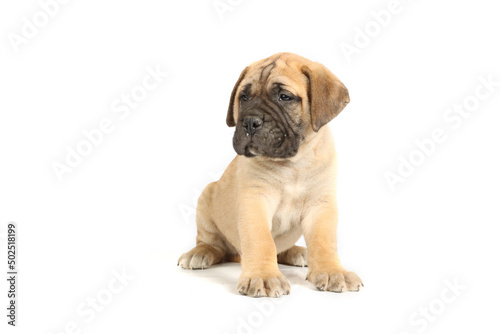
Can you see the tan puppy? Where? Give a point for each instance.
(282, 183)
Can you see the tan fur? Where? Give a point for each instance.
(261, 206)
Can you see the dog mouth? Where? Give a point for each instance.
(269, 140)
(250, 151)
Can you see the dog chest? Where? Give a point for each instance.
(289, 209)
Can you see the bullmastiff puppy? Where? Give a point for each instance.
(281, 185)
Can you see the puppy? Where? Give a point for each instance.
(281, 185)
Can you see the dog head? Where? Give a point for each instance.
(279, 101)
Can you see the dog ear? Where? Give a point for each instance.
(230, 111)
(327, 94)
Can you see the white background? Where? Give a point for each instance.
(128, 205)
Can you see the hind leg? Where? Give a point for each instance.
(295, 256)
(211, 247)
(200, 257)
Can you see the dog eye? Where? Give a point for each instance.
(243, 97)
(284, 97)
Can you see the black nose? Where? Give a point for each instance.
(251, 124)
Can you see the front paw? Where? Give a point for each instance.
(255, 285)
(336, 280)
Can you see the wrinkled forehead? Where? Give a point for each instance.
(266, 74)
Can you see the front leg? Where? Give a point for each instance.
(260, 275)
(325, 270)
